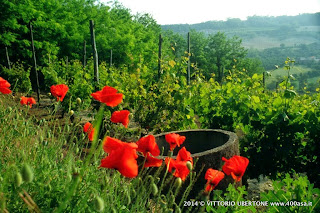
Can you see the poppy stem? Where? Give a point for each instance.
(142, 169)
(93, 149)
(162, 181)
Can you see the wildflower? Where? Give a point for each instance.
(27, 101)
(180, 164)
(88, 128)
(184, 155)
(109, 96)
(4, 86)
(213, 178)
(174, 140)
(59, 91)
(110, 144)
(148, 144)
(123, 159)
(236, 166)
(152, 161)
(181, 170)
(121, 117)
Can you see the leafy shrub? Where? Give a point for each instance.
(18, 76)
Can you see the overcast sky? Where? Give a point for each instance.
(196, 11)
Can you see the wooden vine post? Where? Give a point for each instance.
(264, 81)
(188, 71)
(84, 54)
(35, 65)
(8, 60)
(110, 58)
(159, 57)
(95, 55)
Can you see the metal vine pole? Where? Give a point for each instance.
(110, 58)
(8, 60)
(35, 64)
(95, 55)
(188, 71)
(159, 56)
(84, 54)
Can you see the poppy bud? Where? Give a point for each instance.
(27, 174)
(49, 93)
(98, 204)
(154, 189)
(78, 101)
(189, 165)
(69, 177)
(9, 109)
(151, 179)
(133, 192)
(18, 179)
(178, 182)
(71, 112)
(128, 198)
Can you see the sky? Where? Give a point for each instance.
(197, 11)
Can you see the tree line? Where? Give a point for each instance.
(61, 31)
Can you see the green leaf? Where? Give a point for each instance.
(289, 93)
(256, 99)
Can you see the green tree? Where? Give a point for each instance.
(223, 53)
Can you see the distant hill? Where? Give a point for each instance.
(262, 32)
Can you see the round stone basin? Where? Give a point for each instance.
(209, 146)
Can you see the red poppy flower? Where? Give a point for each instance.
(152, 161)
(184, 155)
(148, 144)
(4, 86)
(110, 144)
(180, 168)
(174, 140)
(180, 164)
(236, 166)
(124, 160)
(109, 96)
(121, 117)
(59, 91)
(27, 101)
(213, 177)
(88, 128)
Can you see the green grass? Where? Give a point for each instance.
(64, 179)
